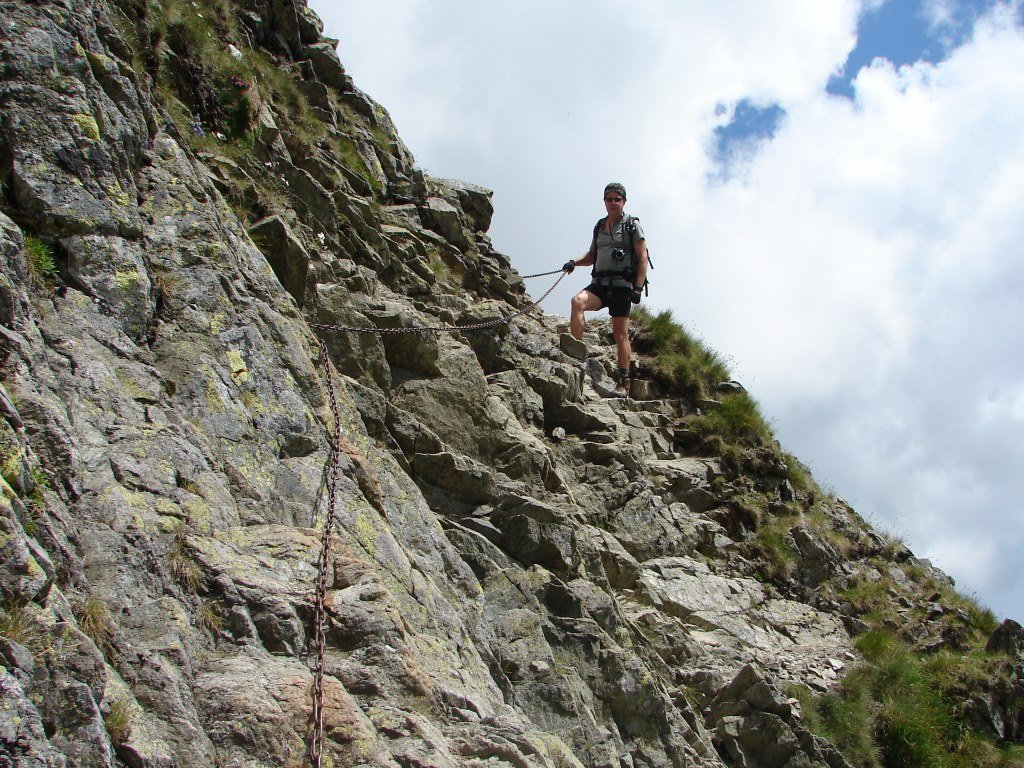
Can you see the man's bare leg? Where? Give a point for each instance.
(584, 301)
(623, 349)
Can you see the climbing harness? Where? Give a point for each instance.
(624, 273)
(329, 483)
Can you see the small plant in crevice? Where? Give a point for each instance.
(210, 617)
(118, 721)
(348, 153)
(186, 571)
(18, 623)
(773, 544)
(40, 486)
(35, 502)
(39, 256)
(94, 620)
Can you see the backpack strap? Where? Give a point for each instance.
(597, 228)
(629, 229)
(629, 226)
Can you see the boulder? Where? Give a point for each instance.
(819, 561)
(549, 545)
(475, 201)
(445, 219)
(460, 476)
(1008, 638)
(759, 740)
(327, 66)
(284, 252)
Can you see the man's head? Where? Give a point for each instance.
(614, 189)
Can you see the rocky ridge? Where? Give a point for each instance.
(525, 572)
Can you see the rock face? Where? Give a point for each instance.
(524, 573)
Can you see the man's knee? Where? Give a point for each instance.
(581, 302)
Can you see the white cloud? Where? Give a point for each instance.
(921, 182)
(1001, 406)
(940, 14)
(864, 271)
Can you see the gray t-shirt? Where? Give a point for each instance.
(605, 245)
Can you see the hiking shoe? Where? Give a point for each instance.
(621, 389)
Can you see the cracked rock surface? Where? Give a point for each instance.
(524, 572)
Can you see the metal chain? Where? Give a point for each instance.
(542, 274)
(316, 745)
(330, 480)
(440, 328)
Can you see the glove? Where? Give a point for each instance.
(637, 295)
(569, 266)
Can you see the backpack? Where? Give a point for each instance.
(629, 229)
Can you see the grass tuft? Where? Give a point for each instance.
(184, 567)
(680, 361)
(18, 624)
(210, 618)
(41, 265)
(737, 420)
(900, 708)
(773, 543)
(118, 721)
(94, 620)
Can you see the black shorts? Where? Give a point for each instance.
(618, 300)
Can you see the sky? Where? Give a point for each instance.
(833, 197)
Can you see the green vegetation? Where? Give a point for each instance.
(118, 721)
(348, 153)
(184, 568)
(799, 475)
(41, 266)
(737, 420)
(981, 617)
(685, 365)
(281, 88)
(208, 77)
(94, 620)
(773, 544)
(35, 502)
(900, 708)
(680, 361)
(438, 268)
(210, 617)
(197, 65)
(40, 485)
(17, 623)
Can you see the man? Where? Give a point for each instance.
(618, 252)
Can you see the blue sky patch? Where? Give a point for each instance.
(907, 31)
(900, 31)
(737, 141)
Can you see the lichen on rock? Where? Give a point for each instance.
(523, 572)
